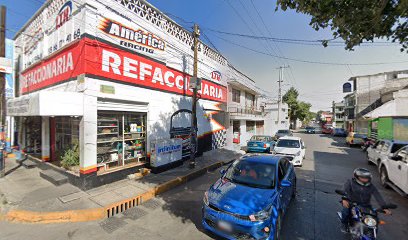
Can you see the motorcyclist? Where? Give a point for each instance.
(359, 190)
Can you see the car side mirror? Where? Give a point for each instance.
(285, 183)
(223, 171)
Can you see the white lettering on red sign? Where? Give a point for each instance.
(54, 68)
(158, 75)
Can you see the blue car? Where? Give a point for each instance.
(250, 198)
(260, 143)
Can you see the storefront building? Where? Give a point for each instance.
(107, 80)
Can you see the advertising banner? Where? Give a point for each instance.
(10, 75)
(108, 62)
(165, 151)
(61, 28)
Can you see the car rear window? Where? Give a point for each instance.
(287, 143)
(283, 131)
(397, 146)
(359, 136)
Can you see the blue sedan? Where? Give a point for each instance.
(260, 143)
(250, 198)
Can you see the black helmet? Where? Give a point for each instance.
(362, 173)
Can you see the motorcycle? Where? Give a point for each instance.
(364, 220)
(367, 143)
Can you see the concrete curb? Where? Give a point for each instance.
(84, 215)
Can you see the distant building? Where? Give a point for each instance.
(366, 96)
(338, 114)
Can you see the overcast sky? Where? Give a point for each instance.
(317, 83)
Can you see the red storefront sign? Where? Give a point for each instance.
(106, 61)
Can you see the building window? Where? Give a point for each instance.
(236, 95)
(250, 127)
(249, 100)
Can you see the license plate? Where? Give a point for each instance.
(254, 145)
(225, 226)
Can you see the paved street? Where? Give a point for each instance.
(176, 214)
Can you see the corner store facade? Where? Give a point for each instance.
(111, 68)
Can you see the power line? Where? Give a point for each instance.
(317, 42)
(308, 61)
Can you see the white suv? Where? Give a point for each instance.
(382, 149)
(291, 146)
(394, 171)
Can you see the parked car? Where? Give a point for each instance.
(327, 129)
(291, 146)
(283, 132)
(310, 130)
(339, 132)
(250, 199)
(394, 171)
(260, 143)
(354, 138)
(382, 149)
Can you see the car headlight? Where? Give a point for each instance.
(260, 216)
(370, 221)
(205, 198)
(298, 153)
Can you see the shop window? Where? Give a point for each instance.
(250, 127)
(236, 95)
(121, 139)
(66, 135)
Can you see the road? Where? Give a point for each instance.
(177, 213)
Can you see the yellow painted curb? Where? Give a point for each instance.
(55, 217)
(84, 215)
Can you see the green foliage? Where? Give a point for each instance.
(298, 109)
(356, 21)
(70, 157)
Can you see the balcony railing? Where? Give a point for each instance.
(239, 111)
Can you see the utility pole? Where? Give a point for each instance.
(280, 90)
(197, 85)
(2, 88)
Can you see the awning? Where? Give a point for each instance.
(395, 108)
(47, 103)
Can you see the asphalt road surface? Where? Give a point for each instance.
(177, 213)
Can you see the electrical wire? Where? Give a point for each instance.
(309, 61)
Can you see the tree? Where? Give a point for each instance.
(297, 109)
(290, 98)
(356, 21)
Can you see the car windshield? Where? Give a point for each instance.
(309, 128)
(252, 174)
(397, 146)
(287, 143)
(260, 138)
(283, 131)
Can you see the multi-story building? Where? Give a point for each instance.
(250, 112)
(338, 114)
(366, 96)
(108, 79)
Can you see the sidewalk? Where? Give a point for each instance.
(23, 193)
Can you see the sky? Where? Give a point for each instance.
(318, 84)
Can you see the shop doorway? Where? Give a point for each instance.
(236, 132)
(32, 135)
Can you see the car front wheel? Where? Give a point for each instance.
(384, 177)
